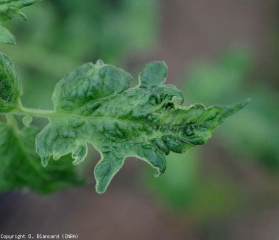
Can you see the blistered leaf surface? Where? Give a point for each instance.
(95, 105)
(21, 166)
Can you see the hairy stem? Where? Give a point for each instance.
(33, 112)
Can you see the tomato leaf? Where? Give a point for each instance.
(95, 105)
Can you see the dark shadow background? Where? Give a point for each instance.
(218, 52)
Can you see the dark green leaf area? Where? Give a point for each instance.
(21, 167)
(154, 74)
(95, 105)
(87, 86)
(10, 84)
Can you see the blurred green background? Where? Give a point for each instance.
(218, 52)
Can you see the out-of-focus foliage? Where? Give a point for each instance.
(21, 167)
(253, 136)
(92, 28)
(62, 34)
(184, 188)
(8, 10)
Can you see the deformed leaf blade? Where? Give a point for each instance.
(95, 105)
(106, 169)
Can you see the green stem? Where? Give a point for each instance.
(20, 110)
(33, 112)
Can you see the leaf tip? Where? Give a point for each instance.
(79, 154)
(245, 102)
(100, 189)
(100, 62)
(22, 16)
(27, 120)
(241, 105)
(44, 162)
(159, 173)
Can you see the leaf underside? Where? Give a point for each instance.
(95, 105)
(21, 167)
(10, 9)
